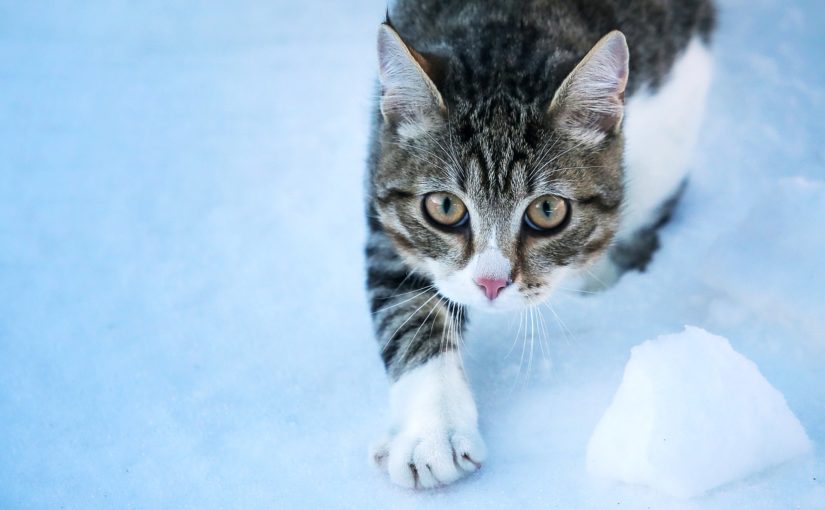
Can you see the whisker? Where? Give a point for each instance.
(548, 357)
(567, 333)
(580, 291)
(459, 314)
(543, 152)
(542, 335)
(411, 340)
(595, 277)
(441, 345)
(515, 339)
(389, 339)
(430, 286)
(522, 320)
(432, 325)
(523, 349)
(449, 154)
(417, 151)
(424, 151)
(540, 169)
(463, 171)
(409, 273)
(532, 341)
(420, 291)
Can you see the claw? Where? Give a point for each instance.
(469, 459)
(416, 484)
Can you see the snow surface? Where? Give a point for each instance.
(182, 315)
(692, 414)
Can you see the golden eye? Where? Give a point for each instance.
(546, 213)
(445, 209)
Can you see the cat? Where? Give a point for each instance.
(515, 145)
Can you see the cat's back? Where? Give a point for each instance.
(501, 36)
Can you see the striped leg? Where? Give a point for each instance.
(434, 436)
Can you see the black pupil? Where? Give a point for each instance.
(447, 205)
(546, 208)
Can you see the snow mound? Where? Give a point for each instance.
(692, 414)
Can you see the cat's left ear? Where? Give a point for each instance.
(408, 94)
(589, 104)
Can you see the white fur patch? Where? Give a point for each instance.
(660, 132)
(410, 130)
(460, 286)
(492, 264)
(434, 437)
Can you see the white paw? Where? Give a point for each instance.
(434, 439)
(426, 459)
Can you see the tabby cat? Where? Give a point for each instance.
(516, 144)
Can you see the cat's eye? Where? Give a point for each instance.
(547, 213)
(445, 209)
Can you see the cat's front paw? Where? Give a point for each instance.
(434, 439)
(423, 459)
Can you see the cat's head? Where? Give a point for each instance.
(494, 192)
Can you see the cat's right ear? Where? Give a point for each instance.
(408, 94)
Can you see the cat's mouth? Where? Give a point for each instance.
(509, 297)
(491, 288)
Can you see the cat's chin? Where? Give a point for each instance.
(494, 307)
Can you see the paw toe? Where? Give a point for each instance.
(427, 460)
(434, 457)
(469, 450)
(379, 453)
(400, 466)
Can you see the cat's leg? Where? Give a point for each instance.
(433, 438)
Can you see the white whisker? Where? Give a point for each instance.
(411, 340)
(420, 291)
(389, 339)
(595, 277)
(567, 333)
(575, 291)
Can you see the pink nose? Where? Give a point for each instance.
(491, 286)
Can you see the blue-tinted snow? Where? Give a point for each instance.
(182, 320)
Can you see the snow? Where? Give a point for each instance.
(765, 231)
(692, 414)
(182, 315)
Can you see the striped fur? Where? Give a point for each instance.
(467, 106)
(412, 321)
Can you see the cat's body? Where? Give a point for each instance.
(499, 166)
